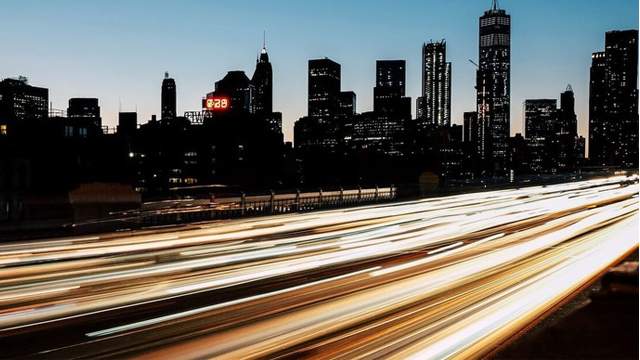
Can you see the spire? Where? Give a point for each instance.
(569, 88)
(264, 41)
(494, 5)
(263, 57)
(166, 74)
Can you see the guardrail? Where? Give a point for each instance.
(180, 211)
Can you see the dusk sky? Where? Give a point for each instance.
(118, 51)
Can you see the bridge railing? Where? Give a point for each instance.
(262, 204)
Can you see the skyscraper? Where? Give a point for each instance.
(324, 87)
(567, 116)
(382, 131)
(613, 101)
(262, 85)
(434, 107)
(540, 118)
(388, 94)
(169, 110)
(493, 88)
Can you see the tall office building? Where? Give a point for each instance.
(85, 108)
(382, 131)
(262, 85)
(21, 101)
(567, 115)
(347, 104)
(388, 94)
(540, 118)
(324, 87)
(613, 101)
(434, 107)
(493, 88)
(169, 109)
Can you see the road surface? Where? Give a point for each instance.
(449, 277)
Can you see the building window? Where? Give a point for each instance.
(68, 131)
(3, 129)
(83, 132)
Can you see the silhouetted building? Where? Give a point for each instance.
(87, 109)
(382, 131)
(388, 94)
(20, 101)
(434, 106)
(127, 122)
(540, 118)
(493, 88)
(324, 87)
(567, 116)
(347, 104)
(613, 101)
(321, 137)
(169, 102)
(232, 94)
(262, 85)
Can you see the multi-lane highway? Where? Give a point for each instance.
(435, 278)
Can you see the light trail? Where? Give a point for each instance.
(444, 277)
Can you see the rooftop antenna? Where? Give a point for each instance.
(494, 5)
(474, 63)
(569, 88)
(166, 74)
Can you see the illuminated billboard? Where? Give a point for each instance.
(216, 103)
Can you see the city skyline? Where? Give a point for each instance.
(79, 69)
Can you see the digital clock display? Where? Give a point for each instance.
(216, 103)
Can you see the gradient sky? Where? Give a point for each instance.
(118, 50)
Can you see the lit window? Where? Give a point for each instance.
(3, 129)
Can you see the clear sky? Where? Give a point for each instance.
(118, 50)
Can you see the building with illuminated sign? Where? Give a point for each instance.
(232, 94)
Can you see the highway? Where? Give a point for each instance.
(449, 277)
